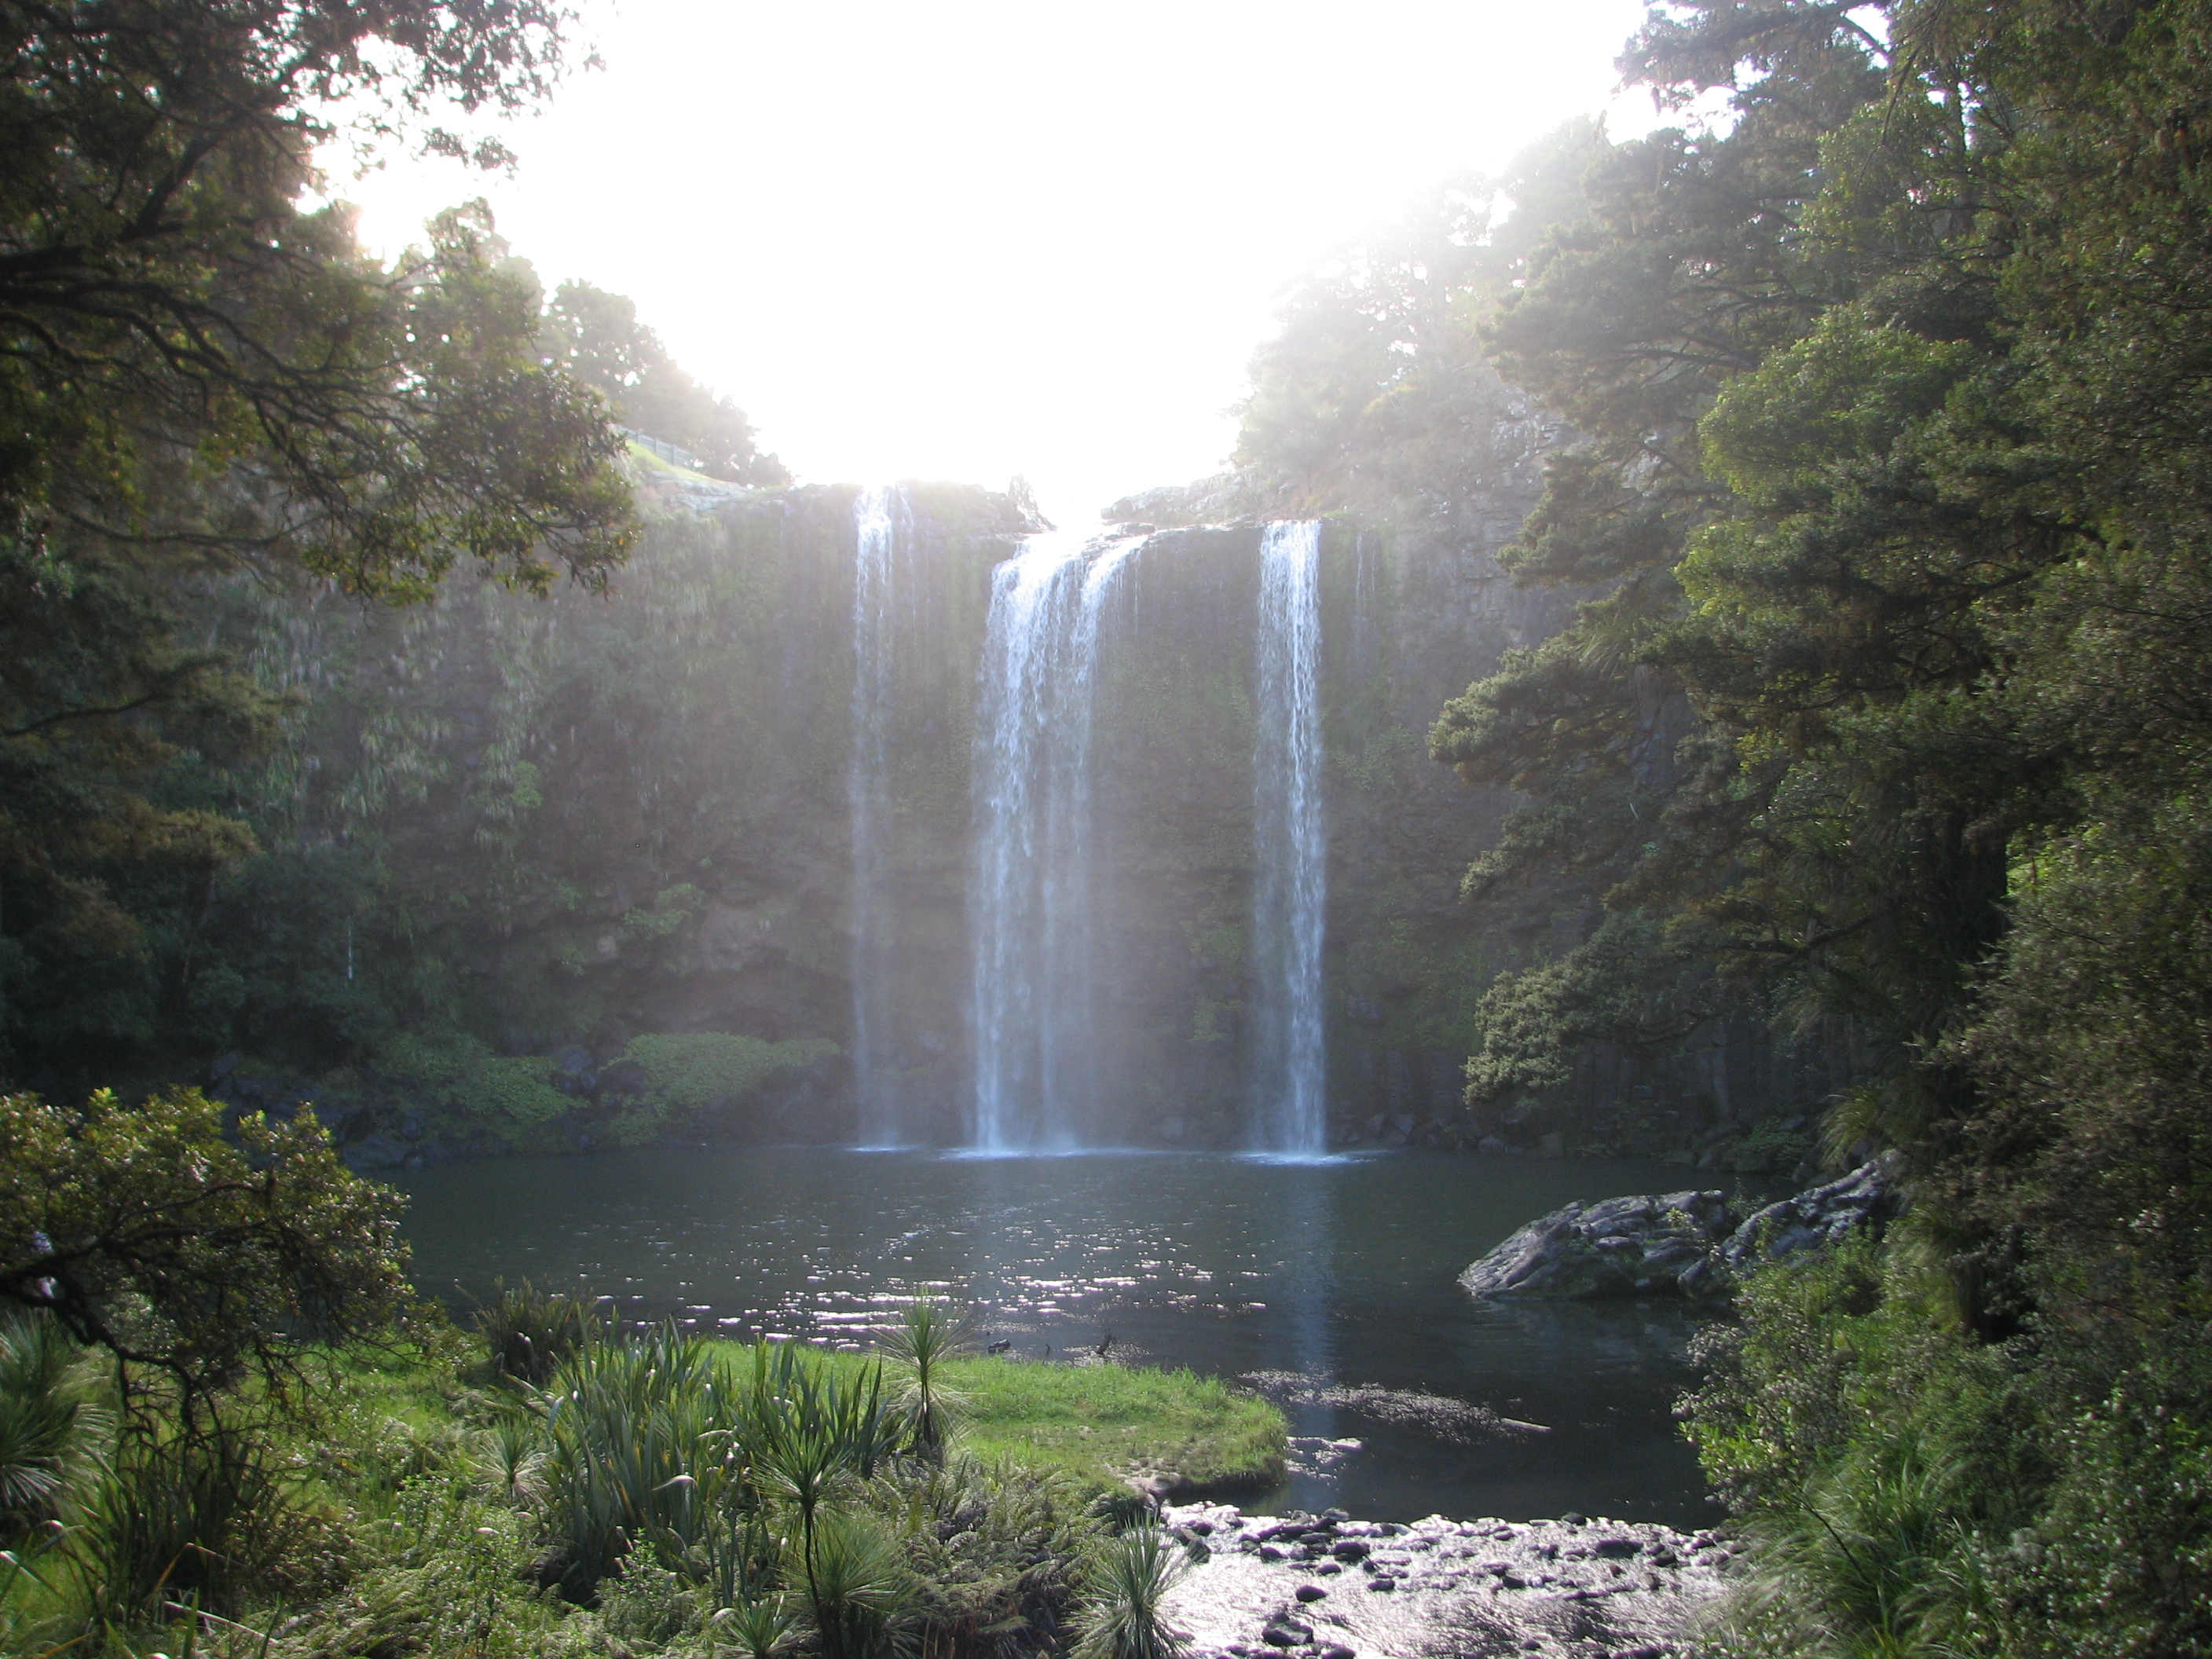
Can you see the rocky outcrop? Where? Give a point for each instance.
(1866, 1197)
(1326, 1586)
(1620, 1247)
(1688, 1243)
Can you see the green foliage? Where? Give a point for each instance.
(857, 1586)
(928, 1334)
(528, 1332)
(1102, 1423)
(596, 337)
(502, 1096)
(1628, 983)
(52, 1425)
(696, 1070)
(203, 1520)
(993, 1548)
(449, 1573)
(1907, 1488)
(204, 377)
(1376, 391)
(189, 1255)
(420, 1514)
(1123, 1584)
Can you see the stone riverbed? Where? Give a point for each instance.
(1328, 1587)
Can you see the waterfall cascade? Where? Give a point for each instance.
(878, 517)
(1290, 849)
(1032, 1008)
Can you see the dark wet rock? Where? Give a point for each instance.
(573, 1071)
(1309, 1592)
(377, 1152)
(1458, 1422)
(1866, 1197)
(1689, 1243)
(345, 1121)
(1620, 1247)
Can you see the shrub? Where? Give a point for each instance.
(1124, 1584)
(509, 1096)
(692, 1070)
(529, 1332)
(992, 1547)
(929, 1333)
(858, 1588)
(50, 1422)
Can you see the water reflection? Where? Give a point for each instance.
(1306, 1280)
(1338, 1276)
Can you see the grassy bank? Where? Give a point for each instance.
(657, 1496)
(1101, 1424)
(1105, 1423)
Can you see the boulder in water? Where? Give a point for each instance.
(1689, 1242)
(1620, 1247)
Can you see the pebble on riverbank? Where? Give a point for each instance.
(1328, 1587)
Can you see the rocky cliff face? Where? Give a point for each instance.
(632, 815)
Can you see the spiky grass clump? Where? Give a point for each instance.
(930, 1332)
(53, 1427)
(1125, 1584)
(529, 1332)
(860, 1592)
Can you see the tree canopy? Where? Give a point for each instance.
(187, 1255)
(597, 339)
(204, 378)
(1887, 388)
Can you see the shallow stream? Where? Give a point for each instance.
(1333, 1282)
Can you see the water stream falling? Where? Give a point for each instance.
(878, 516)
(1290, 849)
(1033, 1003)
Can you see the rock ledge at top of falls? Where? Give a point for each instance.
(1326, 1586)
(1690, 1243)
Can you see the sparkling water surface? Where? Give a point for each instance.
(1334, 1281)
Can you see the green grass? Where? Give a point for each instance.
(1105, 1423)
(1100, 1423)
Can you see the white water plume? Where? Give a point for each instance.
(1290, 849)
(1032, 1008)
(879, 516)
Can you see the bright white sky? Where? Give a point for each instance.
(968, 239)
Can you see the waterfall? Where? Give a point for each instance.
(1032, 1005)
(878, 514)
(1289, 848)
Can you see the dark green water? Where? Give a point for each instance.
(1342, 1272)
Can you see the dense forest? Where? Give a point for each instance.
(1887, 384)
(1878, 721)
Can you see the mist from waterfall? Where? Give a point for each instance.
(1033, 1013)
(879, 515)
(1289, 850)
